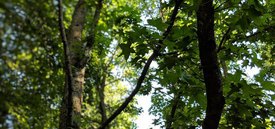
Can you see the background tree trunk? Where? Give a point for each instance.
(102, 105)
(70, 114)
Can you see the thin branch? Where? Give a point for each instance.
(67, 62)
(145, 69)
(171, 118)
(112, 57)
(91, 37)
(244, 38)
(94, 24)
(175, 53)
(172, 20)
(102, 106)
(224, 38)
(134, 92)
(259, 32)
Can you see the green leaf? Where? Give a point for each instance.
(126, 50)
(243, 22)
(158, 23)
(268, 85)
(236, 77)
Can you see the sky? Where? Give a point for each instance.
(145, 120)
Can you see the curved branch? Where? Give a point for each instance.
(134, 92)
(224, 38)
(172, 20)
(146, 67)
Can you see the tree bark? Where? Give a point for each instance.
(154, 55)
(70, 113)
(78, 56)
(209, 63)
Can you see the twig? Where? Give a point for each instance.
(244, 38)
(216, 9)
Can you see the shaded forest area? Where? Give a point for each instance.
(81, 63)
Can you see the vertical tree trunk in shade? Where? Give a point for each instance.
(209, 63)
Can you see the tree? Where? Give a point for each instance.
(201, 51)
(75, 62)
(230, 30)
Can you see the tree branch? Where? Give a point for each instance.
(145, 69)
(172, 20)
(267, 29)
(134, 92)
(224, 38)
(173, 111)
(91, 37)
(67, 63)
(102, 106)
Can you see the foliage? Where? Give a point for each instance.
(31, 59)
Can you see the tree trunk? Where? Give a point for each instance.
(78, 57)
(171, 117)
(209, 63)
(70, 113)
(102, 105)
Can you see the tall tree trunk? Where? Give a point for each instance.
(209, 63)
(77, 56)
(71, 106)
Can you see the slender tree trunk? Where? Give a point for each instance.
(102, 106)
(171, 116)
(209, 63)
(224, 68)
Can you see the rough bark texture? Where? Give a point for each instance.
(209, 63)
(70, 113)
(79, 54)
(91, 38)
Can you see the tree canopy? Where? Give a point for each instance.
(81, 63)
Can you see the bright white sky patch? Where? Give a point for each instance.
(145, 120)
